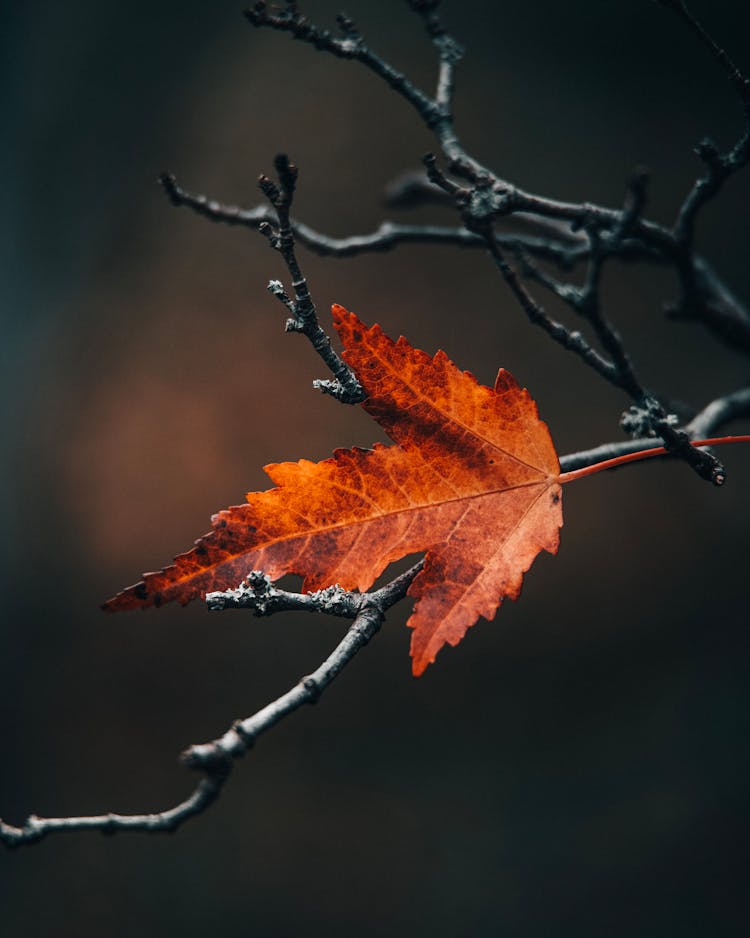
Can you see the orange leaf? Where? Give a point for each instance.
(472, 481)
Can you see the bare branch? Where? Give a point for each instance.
(215, 211)
(412, 188)
(215, 759)
(676, 441)
(303, 316)
(585, 300)
(436, 114)
(476, 207)
(572, 341)
(714, 416)
(369, 616)
(740, 82)
(345, 386)
(500, 198)
(712, 302)
(565, 251)
(449, 52)
(350, 46)
(718, 413)
(718, 169)
(34, 828)
(707, 299)
(257, 592)
(618, 370)
(711, 418)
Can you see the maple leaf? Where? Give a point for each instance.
(473, 481)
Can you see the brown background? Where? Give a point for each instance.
(577, 767)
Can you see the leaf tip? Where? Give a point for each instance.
(505, 382)
(132, 597)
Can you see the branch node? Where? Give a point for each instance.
(645, 417)
(270, 234)
(337, 601)
(313, 689)
(247, 737)
(276, 288)
(649, 418)
(334, 388)
(209, 758)
(255, 592)
(709, 152)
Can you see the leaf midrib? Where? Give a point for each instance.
(545, 482)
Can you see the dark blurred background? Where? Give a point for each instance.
(575, 768)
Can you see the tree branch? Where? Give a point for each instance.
(714, 415)
(740, 82)
(370, 612)
(617, 370)
(35, 828)
(500, 198)
(571, 340)
(350, 46)
(388, 235)
(215, 759)
(718, 413)
(345, 386)
(585, 300)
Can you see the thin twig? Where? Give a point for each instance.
(215, 759)
(371, 608)
(571, 340)
(586, 300)
(345, 386)
(718, 413)
(34, 828)
(719, 167)
(477, 214)
(712, 417)
(705, 298)
(350, 46)
(389, 235)
(257, 592)
(676, 441)
(736, 77)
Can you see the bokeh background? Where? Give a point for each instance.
(577, 767)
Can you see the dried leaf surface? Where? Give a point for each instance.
(472, 481)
